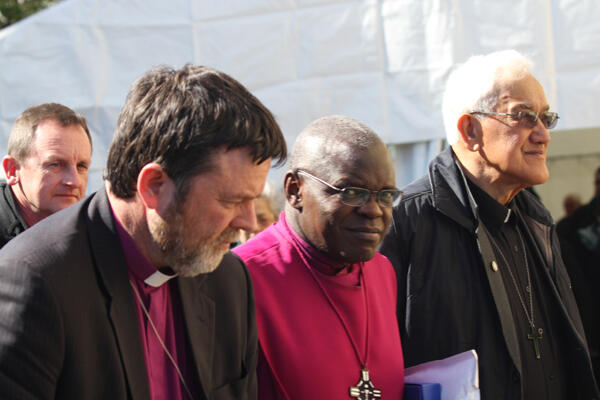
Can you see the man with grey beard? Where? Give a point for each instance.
(130, 294)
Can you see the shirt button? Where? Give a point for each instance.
(516, 248)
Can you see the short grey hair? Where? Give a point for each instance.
(318, 141)
(23, 131)
(473, 86)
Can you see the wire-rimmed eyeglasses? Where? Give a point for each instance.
(357, 197)
(528, 119)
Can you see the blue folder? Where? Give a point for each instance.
(422, 391)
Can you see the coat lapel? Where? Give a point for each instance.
(199, 317)
(112, 272)
(466, 214)
(509, 331)
(535, 230)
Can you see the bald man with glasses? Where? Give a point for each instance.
(325, 298)
(477, 257)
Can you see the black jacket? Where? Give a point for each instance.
(580, 246)
(450, 299)
(68, 325)
(11, 221)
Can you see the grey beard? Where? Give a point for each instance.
(190, 261)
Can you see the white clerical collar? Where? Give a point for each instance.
(158, 279)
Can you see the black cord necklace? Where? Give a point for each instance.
(364, 389)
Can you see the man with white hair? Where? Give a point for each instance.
(477, 257)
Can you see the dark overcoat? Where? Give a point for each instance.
(451, 300)
(69, 328)
(11, 221)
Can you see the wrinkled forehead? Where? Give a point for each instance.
(525, 92)
(368, 166)
(325, 152)
(51, 135)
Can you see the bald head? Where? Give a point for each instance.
(328, 138)
(336, 155)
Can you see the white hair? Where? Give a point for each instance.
(473, 86)
(315, 144)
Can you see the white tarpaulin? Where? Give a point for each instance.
(382, 62)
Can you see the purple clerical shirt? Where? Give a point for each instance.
(308, 350)
(164, 306)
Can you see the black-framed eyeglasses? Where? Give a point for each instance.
(356, 197)
(528, 119)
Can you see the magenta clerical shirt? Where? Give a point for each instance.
(163, 304)
(305, 352)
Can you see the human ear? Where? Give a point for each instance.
(154, 187)
(11, 166)
(292, 187)
(469, 129)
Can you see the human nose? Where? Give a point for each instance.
(371, 208)
(71, 177)
(540, 134)
(246, 217)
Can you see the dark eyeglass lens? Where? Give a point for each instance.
(387, 197)
(355, 196)
(358, 197)
(549, 119)
(527, 118)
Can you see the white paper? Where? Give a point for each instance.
(458, 375)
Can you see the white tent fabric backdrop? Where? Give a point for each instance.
(382, 62)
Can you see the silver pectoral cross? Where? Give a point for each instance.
(364, 389)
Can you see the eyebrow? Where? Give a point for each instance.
(529, 107)
(346, 182)
(55, 157)
(237, 197)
